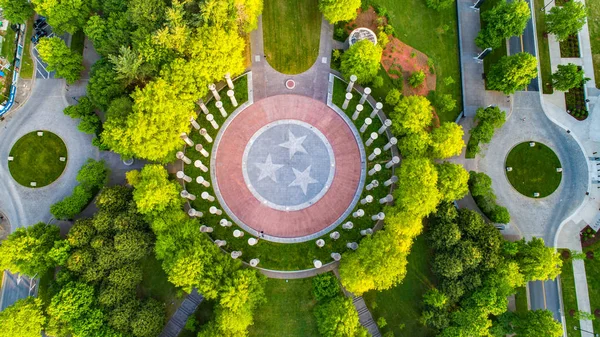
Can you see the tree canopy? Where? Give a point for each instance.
(60, 58)
(64, 15)
(447, 140)
(361, 59)
(568, 76)
(339, 10)
(412, 114)
(512, 73)
(337, 318)
(16, 11)
(501, 22)
(25, 318)
(566, 20)
(26, 249)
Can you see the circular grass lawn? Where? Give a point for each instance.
(533, 169)
(37, 159)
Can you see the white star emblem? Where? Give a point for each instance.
(303, 179)
(268, 169)
(294, 144)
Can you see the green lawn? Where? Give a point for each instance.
(283, 256)
(288, 310)
(533, 169)
(543, 47)
(37, 159)
(567, 284)
(155, 284)
(497, 53)
(593, 7)
(77, 42)
(433, 33)
(521, 300)
(26, 61)
(291, 30)
(592, 272)
(8, 45)
(401, 306)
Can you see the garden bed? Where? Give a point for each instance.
(576, 102)
(588, 237)
(570, 47)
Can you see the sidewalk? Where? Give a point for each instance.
(587, 135)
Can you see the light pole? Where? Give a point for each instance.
(595, 334)
(543, 8)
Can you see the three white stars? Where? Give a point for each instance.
(268, 169)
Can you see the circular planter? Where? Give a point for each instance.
(533, 169)
(290, 84)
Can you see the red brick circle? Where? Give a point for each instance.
(248, 211)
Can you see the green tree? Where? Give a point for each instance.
(417, 191)
(93, 174)
(416, 79)
(132, 245)
(568, 76)
(325, 286)
(247, 13)
(114, 199)
(393, 97)
(81, 233)
(501, 22)
(72, 205)
(154, 193)
(445, 102)
(64, 15)
(126, 277)
(84, 107)
(72, 302)
(16, 11)
(149, 320)
(60, 58)
(147, 14)
(532, 323)
(60, 252)
(104, 87)
(129, 65)
(536, 261)
(109, 34)
(25, 318)
(513, 72)
(337, 318)
(435, 298)
(411, 115)
(447, 140)
(379, 263)
(26, 249)
(415, 145)
(339, 10)
(452, 181)
(361, 59)
(566, 20)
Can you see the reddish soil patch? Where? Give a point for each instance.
(368, 19)
(400, 57)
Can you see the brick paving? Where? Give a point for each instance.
(291, 224)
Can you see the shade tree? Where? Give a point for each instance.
(501, 22)
(452, 181)
(566, 20)
(363, 60)
(26, 249)
(337, 317)
(412, 114)
(512, 73)
(16, 11)
(568, 76)
(24, 318)
(339, 10)
(447, 140)
(60, 58)
(64, 15)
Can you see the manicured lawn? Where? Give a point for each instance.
(521, 300)
(155, 284)
(567, 284)
(497, 53)
(533, 169)
(543, 47)
(291, 30)
(433, 33)
(277, 255)
(288, 310)
(8, 45)
(26, 61)
(77, 42)
(592, 272)
(401, 306)
(37, 159)
(593, 21)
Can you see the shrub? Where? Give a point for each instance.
(325, 286)
(416, 79)
(362, 59)
(377, 82)
(489, 119)
(381, 322)
(480, 186)
(393, 97)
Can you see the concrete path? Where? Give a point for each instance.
(473, 85)
(312, 83)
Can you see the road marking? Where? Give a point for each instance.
(544, 292)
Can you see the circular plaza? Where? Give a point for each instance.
(288, 168)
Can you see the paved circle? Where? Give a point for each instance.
(288, 165)
(288, 168)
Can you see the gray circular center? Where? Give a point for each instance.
(288, 165)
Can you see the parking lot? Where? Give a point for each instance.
(41, 66)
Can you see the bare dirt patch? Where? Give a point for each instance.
(400, 57)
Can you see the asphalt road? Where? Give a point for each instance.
(525, 43)
(545, 295)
